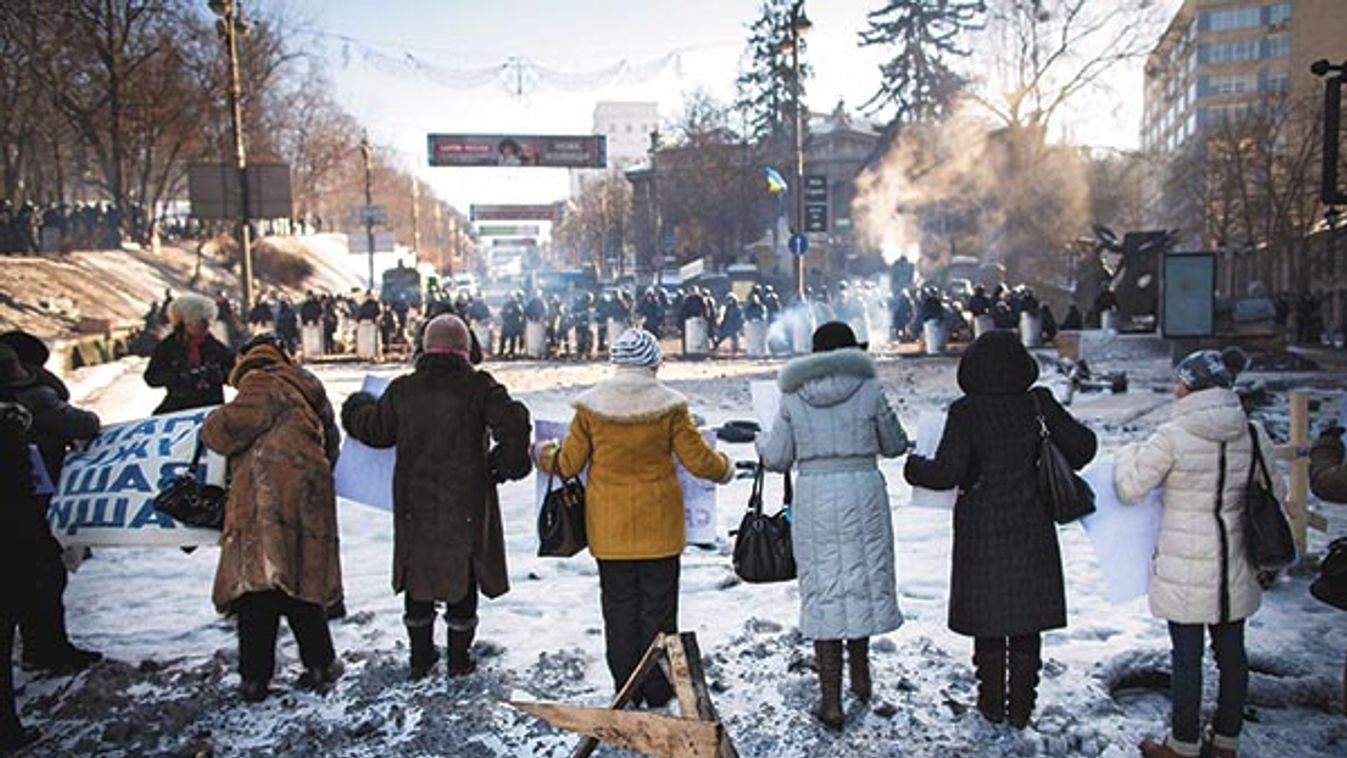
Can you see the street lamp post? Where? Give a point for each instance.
(799, 25)
(229, 26)
(367, 152)
(658, 254)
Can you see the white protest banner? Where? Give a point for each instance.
(699, 495)
(363, 473)
(930, 428)
(1124, 536)
(766, 402)
(106, 493)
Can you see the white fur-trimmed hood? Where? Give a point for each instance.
(633, 395)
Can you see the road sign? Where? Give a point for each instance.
(666, 239)
(509, 230)
(816, 203)
(799, 244)
(550, 212)
(816, 218)
(213, 190)
(371, 214)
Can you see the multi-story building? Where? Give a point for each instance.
(627, 125)
(1222, 62)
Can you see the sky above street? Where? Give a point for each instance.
(681, 45)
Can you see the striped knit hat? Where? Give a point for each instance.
(636, 347)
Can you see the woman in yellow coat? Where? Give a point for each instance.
(628, 430)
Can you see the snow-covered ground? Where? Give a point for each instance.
(168, 688)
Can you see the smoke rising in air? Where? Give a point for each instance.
(967, 186)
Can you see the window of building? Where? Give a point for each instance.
(1231, 18)
(1279, 14)
(1277, 46)
(1230, 52)
(1235, 84)
(1278, 81)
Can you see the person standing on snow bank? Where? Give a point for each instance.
(628, 430)
(278, 549)
(190, 363)
(56, 426)
(1201, 575)
(1006, 584)
(835, 420)
(22, 531)
(448, 542)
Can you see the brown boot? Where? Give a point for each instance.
(858, 662)
(828, 660)
(1152, 749)
(990, 669)
(1220, 746)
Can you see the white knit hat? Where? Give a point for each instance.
(636, 347)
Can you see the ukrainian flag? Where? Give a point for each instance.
(776, 184)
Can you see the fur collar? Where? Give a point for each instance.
(846, 362)
(633, 395)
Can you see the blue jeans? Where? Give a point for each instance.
(1227, 641)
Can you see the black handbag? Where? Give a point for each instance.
(1067, 496)
(191, 502)
(762, 549)
(561, 522)
(1331, 584)
(1267, 533)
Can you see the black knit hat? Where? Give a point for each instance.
(12, 371)
(997, 364)
(835, 335)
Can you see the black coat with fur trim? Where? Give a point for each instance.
(189, 386)
(1007, 565)
(447, 520)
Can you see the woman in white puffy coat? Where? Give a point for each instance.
(1201, 576)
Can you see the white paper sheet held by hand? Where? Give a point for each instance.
(365, 474)
(930, 428)
(766, 402)
(1124, 536)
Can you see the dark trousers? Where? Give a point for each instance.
(640, 600)
(259, 615)
(1227, 641)
(42, 622)
(460, 616)
(1025, 644)
(9, 719)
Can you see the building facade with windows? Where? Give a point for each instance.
(1219, 64)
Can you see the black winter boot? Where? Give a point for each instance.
(461, 634)
(828, 660)
(1024, 668)
(990, 669)
(421, 636)
(858, 663)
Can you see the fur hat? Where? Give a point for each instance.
(636, 347)
(192, 309)
(1204, 369)
(447, 334)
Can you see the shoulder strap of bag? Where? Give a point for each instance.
(197, 453)
(1256, 462)
(789, 499)
(1043, 430)
(755, 499)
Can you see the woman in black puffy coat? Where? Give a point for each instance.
(1006, 586)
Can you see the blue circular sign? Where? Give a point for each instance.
(799, 244)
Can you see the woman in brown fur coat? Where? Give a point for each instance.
(278, 552)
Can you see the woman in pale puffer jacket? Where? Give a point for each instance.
(1201, 574)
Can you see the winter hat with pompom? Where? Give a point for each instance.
(636, 347)
(1205, 369)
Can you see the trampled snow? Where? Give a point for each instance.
(168, 688)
